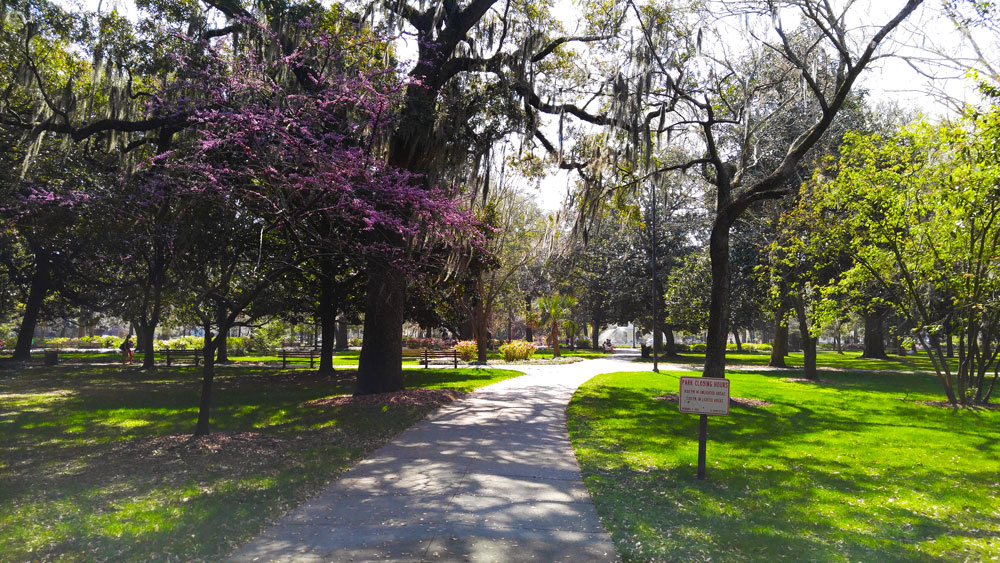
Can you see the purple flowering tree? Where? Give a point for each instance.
(273, 174)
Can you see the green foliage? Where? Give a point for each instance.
(517, 350)
(688, 292)
(180, 343)
(855, 468)
(921, 214)
(467, 349)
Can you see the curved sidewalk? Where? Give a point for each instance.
(491, 477)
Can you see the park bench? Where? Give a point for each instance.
(311, 354)
(425, 355)
(173, 355)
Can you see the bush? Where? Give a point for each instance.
(699, 348)
(239, 343)
(583, 343)
(517, 350)
(467, 349)
(354, 342)
(180, 343)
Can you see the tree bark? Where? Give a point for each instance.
(874, 341)
(480, 331)
(529, 335)
(207, 377)
(327, 312)
(736, 338)
(779, 348)
(380, 367)
(343, 341)
(669, 344)
(40, 285)
(808, 342)
(718, 312)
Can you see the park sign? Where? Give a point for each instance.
(704, 395)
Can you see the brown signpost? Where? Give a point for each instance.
(705, 396)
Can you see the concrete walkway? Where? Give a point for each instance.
(491, 477)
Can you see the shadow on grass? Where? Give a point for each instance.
(817, 476)
(95, 462)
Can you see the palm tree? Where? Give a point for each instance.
(553, 309)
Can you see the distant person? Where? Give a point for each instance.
(607, 346)
(127, 349)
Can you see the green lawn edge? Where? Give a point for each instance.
(94, 465)
(853, 468)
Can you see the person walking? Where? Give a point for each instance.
(127, 349)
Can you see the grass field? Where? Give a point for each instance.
(853, 468)
(824, 358)
(95, 462)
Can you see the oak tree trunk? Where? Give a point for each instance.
(40, 285)
(380, 367)
(779, 348)
(808, 342)
(718, 312)
(327, 312)
(874, 340)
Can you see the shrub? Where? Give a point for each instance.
(180, 343)
(240, 343)
(467, 349)
(354, 342)
(583, 343)
(699, 348)
(517, 350)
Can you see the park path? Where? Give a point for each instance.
(491, 477)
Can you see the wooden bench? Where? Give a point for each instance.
(425, 355)
(311, 354)
(181, 355)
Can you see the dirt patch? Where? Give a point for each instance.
(947, 405)
(733, 401)
(405, 398)
(242, 444)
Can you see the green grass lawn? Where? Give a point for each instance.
(95, 463)
(824, 358)
(340, 358)
(850, 469)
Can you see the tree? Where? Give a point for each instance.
(554, 309)
(269, 161)
(725, 102)
(922, 216)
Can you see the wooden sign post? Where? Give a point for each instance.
(705, 396)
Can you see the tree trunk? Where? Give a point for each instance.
(327, 312)
(718, 311)
(528, 334)
(554, 335)
(343, 340)
(597, 324)
(222, 356)
(669, 344)
(808, 342)
(207, 376)
(779, 348)
(479, 330)
(380, 367)
(736, 338)
(40, 282)
(874, 341)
